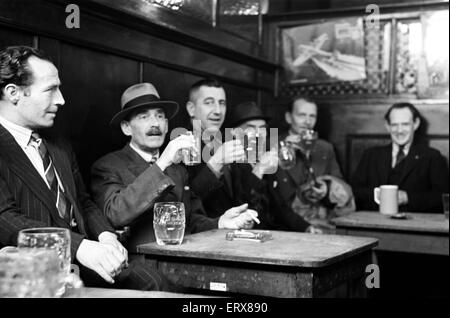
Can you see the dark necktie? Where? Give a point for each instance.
(152, 161)
(62, 203)
(400, 155)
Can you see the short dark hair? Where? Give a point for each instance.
(14, 67)
(304, 98)
(208, 82)
(415, 112)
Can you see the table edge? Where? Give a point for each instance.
(316, 264)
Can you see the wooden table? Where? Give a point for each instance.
(291, 265)
(420, 233)
(90, 292)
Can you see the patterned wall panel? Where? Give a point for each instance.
(377, 50)
(408, 48)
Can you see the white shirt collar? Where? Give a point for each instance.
(395, 149)
(21, 134)
(145, 155)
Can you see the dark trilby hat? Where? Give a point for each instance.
(143, 95)
(244, 112)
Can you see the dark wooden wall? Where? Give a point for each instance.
(113, 50)
(288, 6)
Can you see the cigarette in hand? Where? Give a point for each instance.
(253, 216)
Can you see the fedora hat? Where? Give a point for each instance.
(244, 112)
(143, 95)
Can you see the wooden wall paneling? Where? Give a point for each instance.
(275, 108)
(193, 29)
(9, 36)
(92, 84)
(286, 6)
(104, 34)
(235, 96)
(171, 85)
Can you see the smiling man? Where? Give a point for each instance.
(420, 172)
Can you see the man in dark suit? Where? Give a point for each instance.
(126, 183)
(40, 183)
(316, 200)
(420, 172)
(223, 179)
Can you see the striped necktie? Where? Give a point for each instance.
(62, 203)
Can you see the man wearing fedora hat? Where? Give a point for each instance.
(126, 183)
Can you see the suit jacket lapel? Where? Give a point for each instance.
(384, 163)
(24, 169)
(319, 158)
(411, 161)
(136, 164)
(296, 172)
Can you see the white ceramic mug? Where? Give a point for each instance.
(387, 198)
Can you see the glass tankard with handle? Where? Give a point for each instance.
(53, 240)
(28, 273)
(169, 222)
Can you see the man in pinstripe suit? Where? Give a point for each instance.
(40, 183)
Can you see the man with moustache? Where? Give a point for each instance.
(420, 172)
(40, 182)
(127, 183)
(317, 201)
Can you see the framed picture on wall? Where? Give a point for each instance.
(332, 51)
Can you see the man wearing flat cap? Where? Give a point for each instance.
(127, 183)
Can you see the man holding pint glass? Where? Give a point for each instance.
(128, 183)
